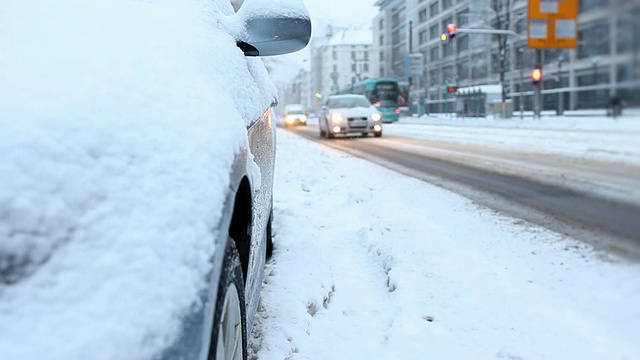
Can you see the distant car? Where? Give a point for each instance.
(294, 114)
(136, 170)
(349, 115)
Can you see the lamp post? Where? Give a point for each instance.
(521, 51)
(560, 94)
(594, 64)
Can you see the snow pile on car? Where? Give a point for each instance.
(119, 123)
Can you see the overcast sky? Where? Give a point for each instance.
(323, 13)
(342, 12)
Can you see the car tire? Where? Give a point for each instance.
(378, 134)
(229, 322)
(330, 135)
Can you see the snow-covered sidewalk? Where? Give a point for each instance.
(370, 264)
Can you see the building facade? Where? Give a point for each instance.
(342, 58)
(605, 63)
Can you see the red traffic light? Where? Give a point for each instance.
(452, 89)
(536, 75)
(451, 29)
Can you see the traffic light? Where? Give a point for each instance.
(319, 95)
(536, 76)
(452, 89)
(451, 30)
(444, 37)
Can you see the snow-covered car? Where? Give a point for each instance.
(349, 115)
(136, 171)
(294, 114)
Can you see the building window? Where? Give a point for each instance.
(365, 67)
(381, 40)
(463, 69)
(433, 9)
(353, 55)
(593, 40)
(447, 49)
(479, 66)
(422, 15)
(395, 37)
(434, 53)
(381, 56)
(586, 5)
(626, 37)
(353, 67)
(448, 20)
(381, 24)
(434, 78)
(462, 43)
(434, 32)
(366, 55)
(422, 37)
(395, 19)
(463, 17)
(334, 55)
(446, 4)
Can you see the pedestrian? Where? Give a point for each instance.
(615, 106)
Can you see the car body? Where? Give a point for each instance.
(349, 115)
(294, 114)
(137, 148)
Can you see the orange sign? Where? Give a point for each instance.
(553, 24)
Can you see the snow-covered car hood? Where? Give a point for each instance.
(119, 123)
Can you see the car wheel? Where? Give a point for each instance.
(378, 134)
(229, 322)
(330, 135)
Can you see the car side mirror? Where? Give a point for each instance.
(273, 30)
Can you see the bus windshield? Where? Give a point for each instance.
(386, 94)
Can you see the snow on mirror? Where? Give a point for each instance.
(273, 28)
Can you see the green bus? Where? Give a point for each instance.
(383, 93)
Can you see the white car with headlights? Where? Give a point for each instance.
(294, 114)
(349, 115)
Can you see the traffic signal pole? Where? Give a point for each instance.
(537, 97)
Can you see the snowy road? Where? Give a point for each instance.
(594, 200)
(372, 264)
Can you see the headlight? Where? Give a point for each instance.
(303, 118)
(376, 116)
(336, 118)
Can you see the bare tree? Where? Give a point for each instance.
(503, 10)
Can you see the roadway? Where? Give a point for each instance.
(556, 192)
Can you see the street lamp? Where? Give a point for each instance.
(521, 51)
(594, 64)
(560, 94)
